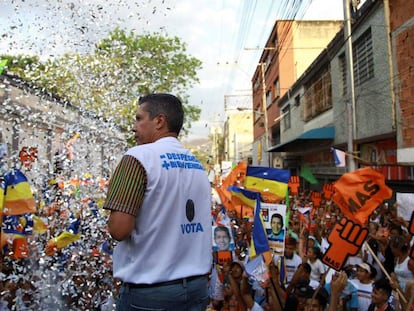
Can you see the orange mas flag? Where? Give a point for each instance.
(359, 193)
(235, 178)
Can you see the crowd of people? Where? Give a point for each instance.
(80, 276)
(153, 238)
(379, 277)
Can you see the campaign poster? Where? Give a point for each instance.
(274, 220)
(222, 239)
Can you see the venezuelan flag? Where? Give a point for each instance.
(243, 196)
(259, 242)
(272, 183)
(61, 241)
(18, 195)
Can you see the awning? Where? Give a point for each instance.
(312, 139)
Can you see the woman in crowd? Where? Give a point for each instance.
(318, 268)
(400, 248)
(365, 274)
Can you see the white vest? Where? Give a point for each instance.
(171, 240)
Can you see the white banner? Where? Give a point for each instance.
(405, 203)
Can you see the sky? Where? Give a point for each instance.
(226, 35)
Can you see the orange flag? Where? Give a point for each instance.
(235, 178)
(359, 193)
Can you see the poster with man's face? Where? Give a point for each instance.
(222, 238)
(274, 220)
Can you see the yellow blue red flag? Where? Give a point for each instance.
(243, 196)
(18, 197)
(272, 183)
(259, 242)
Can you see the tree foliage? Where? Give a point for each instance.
(122, 68)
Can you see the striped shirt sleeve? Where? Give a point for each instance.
(127, 187)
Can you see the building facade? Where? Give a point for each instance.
(317, 110)
(290, 49)
(238, 136)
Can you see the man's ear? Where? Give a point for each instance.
(161, 121)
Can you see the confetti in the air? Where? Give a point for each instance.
(69, 80)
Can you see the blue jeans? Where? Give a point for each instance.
(186, 296)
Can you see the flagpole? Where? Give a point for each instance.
(384, 271)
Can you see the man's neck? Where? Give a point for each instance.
(381, 306)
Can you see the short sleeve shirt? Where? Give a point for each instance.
(127, 187)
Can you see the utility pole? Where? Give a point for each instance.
(264, 106)
(351, 106)
(390, 63)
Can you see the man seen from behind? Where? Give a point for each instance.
(159, 199)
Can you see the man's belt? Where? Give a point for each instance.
(172, 282)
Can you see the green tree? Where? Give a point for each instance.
(20, 65)
(123, 67)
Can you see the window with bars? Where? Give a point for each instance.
(276, 87)
(318, 96)
(297, 101)
(257, 113)
(268, 98)
(256, 85)
(268, 61)
(286, 117)
(363, 58)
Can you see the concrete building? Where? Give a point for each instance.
(316, 110)
(238, 136)
(290, 49)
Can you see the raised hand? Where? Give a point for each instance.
(293, 184)
(316, 198)
(328, 191)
